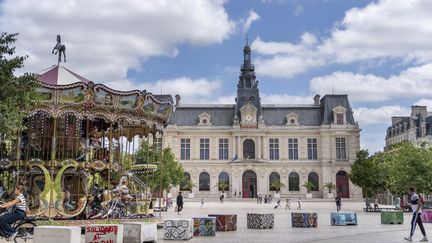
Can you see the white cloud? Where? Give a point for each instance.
(425, 102)
(298, 10)
(191, 90)
(383, 29)
(380, 115)
(373, 141)
(285, 59)
(285, 99)
(253, 16)
(105, 39)
(371, 88)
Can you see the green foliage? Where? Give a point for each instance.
(223, 185)
(330, 186)
(189, 185)
(277, 185)
(14, 90)
(169, 172)
(309, 186)
(408, 166)
(369, 173)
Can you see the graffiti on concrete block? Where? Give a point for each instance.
(260, 221)
(343, 218)
(225, 222)
(389, 217)
(304, 220)
(178, 229)
(204, 226)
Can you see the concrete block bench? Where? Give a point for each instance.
(392, 217)
(139, 232)
(426, 216)
(204, 226)
(98, 233)
(304, 220)
(225, 222)
(178, 229)
(57, 234)
(260, 221)
(343, 218)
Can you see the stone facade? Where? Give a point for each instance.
(314, 142)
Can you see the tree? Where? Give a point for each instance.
(369, 173)
(222, 185)
(15, 91)
(277, 185)
(189, 185)
(308, 185)
(330, 186)
(408, 166)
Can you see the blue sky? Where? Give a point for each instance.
(377, 52)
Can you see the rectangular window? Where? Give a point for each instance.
(204, 148)
(274, 148)
(158, 143)
(185, 148)
(339, 119)
(312, 148)
(293, 148)
(223, 148)
(340, 148)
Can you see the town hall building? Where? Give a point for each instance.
(249, 144)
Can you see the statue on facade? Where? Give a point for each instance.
(59, 48)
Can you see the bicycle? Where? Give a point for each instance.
(24, 227)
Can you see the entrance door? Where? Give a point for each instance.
(342, 184)
(249, 184)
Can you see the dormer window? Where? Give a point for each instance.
(339, 115)
(292, 119)
(204, 119)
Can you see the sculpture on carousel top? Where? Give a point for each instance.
(59, 48)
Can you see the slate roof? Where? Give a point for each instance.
(274, 115)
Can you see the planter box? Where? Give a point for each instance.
(392, 217)
(178, 229)
(343, 218)
(304, 220)
(104, 233)
(191, 195)
(140, 232)
(204, 226)
(56, 234)
(260, 221)
(308, 195)
(426, 216)
(276, 196)
(225, 222)
(330, 195)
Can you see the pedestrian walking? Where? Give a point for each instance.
(376, 203)
(416, 206)
(179, 202)
(202, 202)
(299, 204)
(397, 204)
(288, 204)
(338, 201)
(277, 204)
(239, 194)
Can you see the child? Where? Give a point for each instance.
(288, 204)
(202, 202)
(299, 204)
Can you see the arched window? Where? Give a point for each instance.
(183, 184)
(248, 149)
(293, 182)
(204, 181)
(274, 176)
(313, 177)
(223, 182)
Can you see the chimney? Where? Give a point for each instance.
(417, 109)
(177, 100)
(316, 99)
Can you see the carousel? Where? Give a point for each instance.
(74, 156)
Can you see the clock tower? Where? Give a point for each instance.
(248, 102)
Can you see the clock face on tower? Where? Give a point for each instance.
(248, 117)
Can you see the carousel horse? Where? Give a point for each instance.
(59, 48)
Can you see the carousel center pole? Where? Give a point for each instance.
(18, 155)
(110, 155)
(53, 157)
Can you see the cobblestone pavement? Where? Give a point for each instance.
(369, 228)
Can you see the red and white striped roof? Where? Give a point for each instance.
(59, 75)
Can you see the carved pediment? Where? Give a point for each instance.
(204, 119)
(292, 119)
